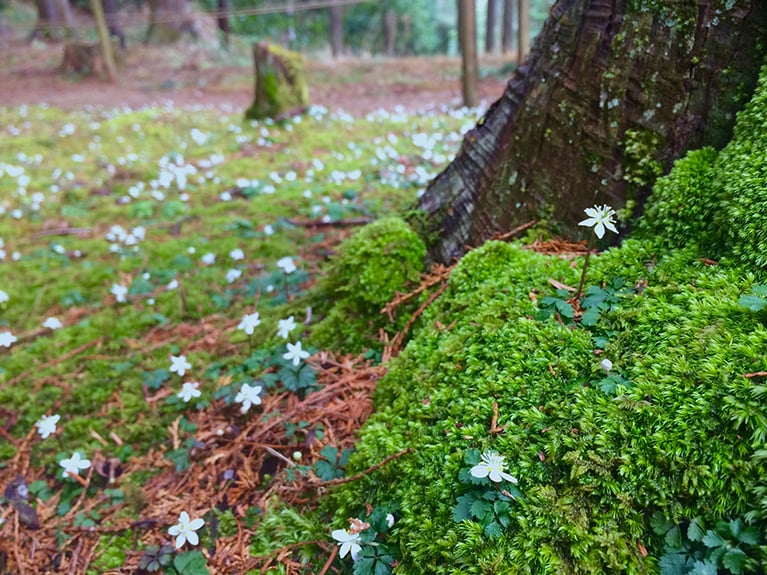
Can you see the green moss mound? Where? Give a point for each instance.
(592, 466)
(383, 258)
(280, 85)
(718, 201)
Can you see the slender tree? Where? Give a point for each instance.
(54, 19)
(507, 26)
(467, 38)
(491, 25)
(523, 29)
(611, 93)
(336, 30)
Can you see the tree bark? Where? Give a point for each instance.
(490, 26)
(336, 30)
(611, 93)
(467, 37)
(170, 19)
(390, 31)
(222, 20)
(507, 26)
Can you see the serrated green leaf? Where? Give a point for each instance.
(493, 530)
(565, 309)
(480, 509)
(501, 508)
(191, 563)
(713, 539)
(673, 564)
(749, 536)
(752, 302)
(590, 317)
(695, 532)
(330, 453)
(734, 560)
(659, 524)
(674, 538)
(382, 568)
(462, 509)
(704, 568)
(760, 290)
(364, 566)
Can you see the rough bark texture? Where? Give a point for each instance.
(612, 92)
(280, 83)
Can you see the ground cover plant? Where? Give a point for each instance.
(196, 376)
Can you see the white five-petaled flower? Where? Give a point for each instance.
(46, 425)
(208, 259)
(185, 529)
(295, 353)
(606, 365)
(249, 322)
(232, 275)
(189, 390)
(73, 465)
(286, 264)
(119, 292)
(3, 296)
(349, 542)
(179, 364)
(492, 465)
(236, 254)
(248, 395)
(599, 218)
(285, 326)
(52, 323)
(7, 338)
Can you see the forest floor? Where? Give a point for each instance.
(191, 74)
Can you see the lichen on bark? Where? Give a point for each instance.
(280, 84)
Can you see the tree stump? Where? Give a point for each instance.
(86, 59)
(280, 83)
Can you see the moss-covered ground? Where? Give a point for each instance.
(138, 246)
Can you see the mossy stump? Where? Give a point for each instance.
(280, 83)
(86, 59)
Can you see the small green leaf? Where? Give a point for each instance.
(590, 317)
(695, 531)
(462, 509)
(704, 568)
(191, 563)
(749, 536)
(674, 538)
(713, 539)
(660, 525)
(673, 564)
(734, 560)
(480, 509)
(752, 302)
(493, 530)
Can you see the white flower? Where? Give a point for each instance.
(348, 542)
(189, 390)
(390, 520)
(249, 322)
(7, 338)
(599, 219)
(179, 364)
(73, 465)
(268, 230)
(119, 292)
(46, 425)
(208, 259)
(52, 323)
(285, 326)
(236, 254)
(286, 264)
(492, 464)
(606, 365)
(232, 275)
(3, 296)
(248, 396)
(295, 353)
(172, 284)
(185, 529)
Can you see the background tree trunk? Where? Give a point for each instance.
(467, 38)
(390, 31)
(608, 97)
(222, 20)
(336, 30)
(523, 29)
(490, 25)
(507, 26)
(54, 19)
(170, 19)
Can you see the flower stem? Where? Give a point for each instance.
(578, 293)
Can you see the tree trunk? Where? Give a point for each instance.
(280, 83)
(507, 26)
(490, 26)
(54, 20)
(222, 20)
(336, 30)
(611, 93)
(467, 38)
(170, 19)
(523, 29)
(390, 31)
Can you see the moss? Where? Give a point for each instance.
(280, 82)
(592, 467)
(383, 258)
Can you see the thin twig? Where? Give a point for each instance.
(368, 471)
(755, 374)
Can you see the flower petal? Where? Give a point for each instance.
(480, 470)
